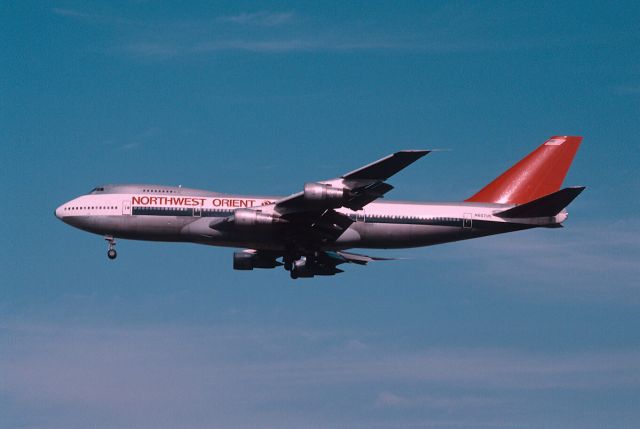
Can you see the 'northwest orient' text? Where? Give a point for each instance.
(192, 201)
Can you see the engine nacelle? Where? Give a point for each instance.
(242, 261)
(302, 268)
(306, 268)
(246, 217)
(320, 192)
(249, 261)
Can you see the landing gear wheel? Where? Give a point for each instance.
(111, 253)
(293, 274)
(288, 261)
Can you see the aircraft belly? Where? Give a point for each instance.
(156, 228)
(271, 237)
(198, 231)
(349, 238)
(400, 235)
(388, 236)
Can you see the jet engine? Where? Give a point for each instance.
(307, 267)
(320, 192)
(246, 217)
(302, 268)
(249, 261)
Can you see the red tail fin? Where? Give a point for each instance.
(536, 175)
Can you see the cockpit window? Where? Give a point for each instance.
(97, 189)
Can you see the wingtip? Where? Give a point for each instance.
(418, 153)
(578, 189)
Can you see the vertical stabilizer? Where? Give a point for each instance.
(538, 174)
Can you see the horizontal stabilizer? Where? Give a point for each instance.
(356, 258)
(547, 206)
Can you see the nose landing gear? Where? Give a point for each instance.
(111, 253)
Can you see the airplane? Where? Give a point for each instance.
(310, 232)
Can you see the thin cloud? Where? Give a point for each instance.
(270, 32)
(95, 18)
(264, 18)
(303, 43)
(447, 402)
(265, 33)
(149, 49)
(265, 46)
(162, 50)
(72, 13)
(130, 146)
(327, 363)
(124, 376)
(579, 261)
(292, 45)
(627, 90)
(141, 138)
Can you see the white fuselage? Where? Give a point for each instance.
(162, 213)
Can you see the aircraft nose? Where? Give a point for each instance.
(58, 212)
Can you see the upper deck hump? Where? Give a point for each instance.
(150, 189)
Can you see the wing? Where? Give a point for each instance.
(311, 213)
(353, 190)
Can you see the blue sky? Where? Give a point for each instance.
(533, 329)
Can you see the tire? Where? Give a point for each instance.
(112, 254)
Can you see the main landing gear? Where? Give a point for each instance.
(288, 262)
(111, 253)
(300, 266)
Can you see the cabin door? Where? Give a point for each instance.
(467, 221)
(126, 207)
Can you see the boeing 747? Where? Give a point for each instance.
(309, 232)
